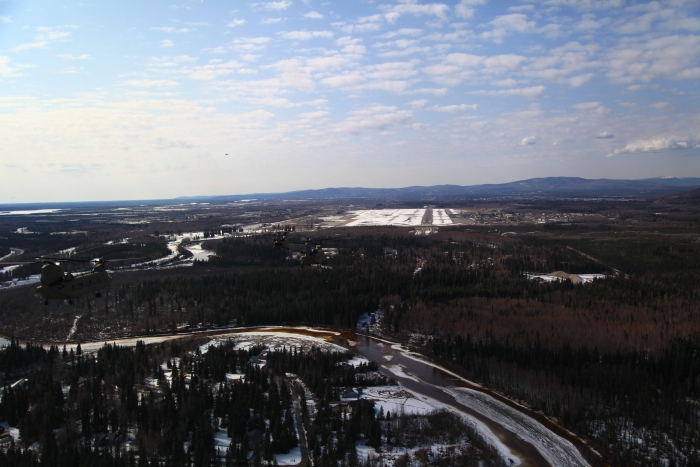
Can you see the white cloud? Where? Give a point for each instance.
(235, 22)
(394, 12)
(313, 15)
(74, 57)
(344, 80)
(306, 35)
(167, 43)
(31, 45)
(508, 82)
(249, 44)
(6, 70)
(172, 29)
(430, 91)
(453, 108)
(585, 4)
(655, 145)
(318, 115)
(5, 19)
(271, 21)
(71, 70)
(375, 117)
(534, 92)
(331, 62)
(604, 135)
(356, 28)
(351, 45)
(392, 70)
(402, 32)
(591, 107)
(568, 64)
(457, 67)
(528, 141)
(293, 74)
(273, 6)
(465, 8)
(673, 57)
(151, 83)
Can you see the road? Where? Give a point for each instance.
(301, 433)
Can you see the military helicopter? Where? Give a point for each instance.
(310, 256)
(281, 241)
(59, 285)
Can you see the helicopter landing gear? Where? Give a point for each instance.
(98, 295)
(70, 302)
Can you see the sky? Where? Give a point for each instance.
(151, 100)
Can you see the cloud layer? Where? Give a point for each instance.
(305, 94)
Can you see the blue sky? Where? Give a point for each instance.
(136, 100)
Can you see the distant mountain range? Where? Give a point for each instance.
(549, 186)
(564, 187)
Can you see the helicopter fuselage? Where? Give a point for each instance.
(313, 256)
(68, 286)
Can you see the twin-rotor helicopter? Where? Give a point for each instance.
(310, 256)
(56, 284)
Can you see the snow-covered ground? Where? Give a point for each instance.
(404, 217)
(589, 277)
(33, 211)
(272, 340)
(73, 328)
(222, 441)
(552, 447)
(555, 449)
(293, 457)
(14, 432)
(440, 217)
(397, 400)
(585, 278)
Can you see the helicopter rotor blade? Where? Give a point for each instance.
(94, 248)
(61, 260)
(15, 263)
(118, 259)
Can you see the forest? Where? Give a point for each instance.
(163, 405)
(614, 360)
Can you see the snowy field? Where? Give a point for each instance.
(24, 213)
(585, 278)
(401, 217)
(272, 340)
(555, 449)
(397, 400)
(440, 217)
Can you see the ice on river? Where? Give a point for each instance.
(555, 449)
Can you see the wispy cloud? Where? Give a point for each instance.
(235, 22)
(531, 92)
(656, 145)
(313, 15)
(273, 6)
(151, 83)
(306, 35)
